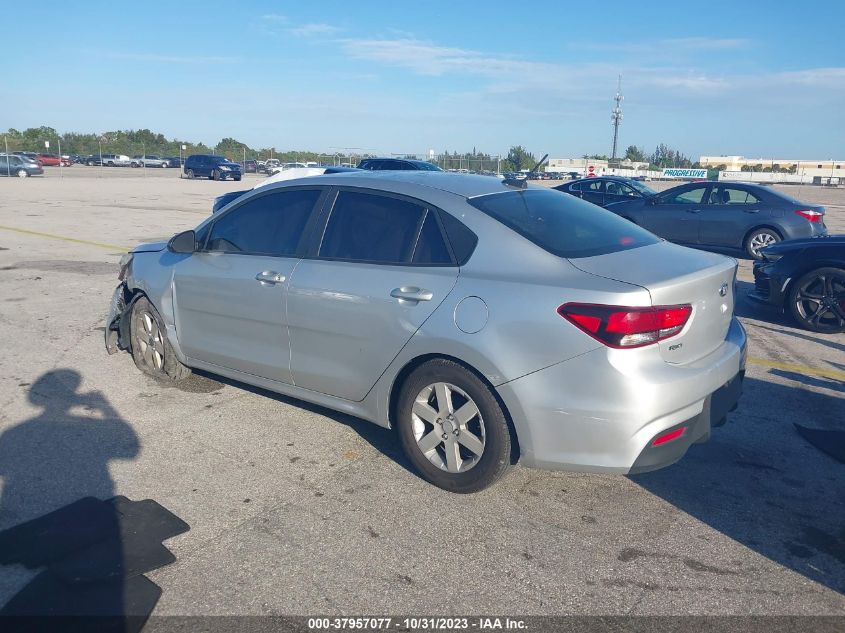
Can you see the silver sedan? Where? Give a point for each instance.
(484, 321)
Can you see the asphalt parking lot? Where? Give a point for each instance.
(298, 510)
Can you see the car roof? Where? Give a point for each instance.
(465, 185)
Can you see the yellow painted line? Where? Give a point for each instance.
(798, 369)
(111, 247)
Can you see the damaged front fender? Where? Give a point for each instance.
(117, 320)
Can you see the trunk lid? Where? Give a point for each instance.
(676, 275)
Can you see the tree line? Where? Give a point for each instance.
(144, 141)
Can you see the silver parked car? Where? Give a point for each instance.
(483, 320)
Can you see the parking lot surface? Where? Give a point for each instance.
(295, 509)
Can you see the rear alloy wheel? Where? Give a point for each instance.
(189, 173)
(817, 300)
(758, 240)
(151, 350)
(22, 173)
(452, 428)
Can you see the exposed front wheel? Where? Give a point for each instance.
(189, 173)
(452, 428)
(215, 175)
(758, 240)
(817, 300)
(151, 350)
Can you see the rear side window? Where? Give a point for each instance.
(367, 228)
(430, 247)
(563, 225)
(267, 225)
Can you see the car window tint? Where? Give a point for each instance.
(732, 195)
(461, 238)
(563, 225)
(367, 228)
(431, 247)
(592, 186)
(690, 196)
(266, 225)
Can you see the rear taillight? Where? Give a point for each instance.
(810, 214)
(622, 327)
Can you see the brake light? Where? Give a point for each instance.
(622, 327)
(810, 215)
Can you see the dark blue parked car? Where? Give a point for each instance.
(212, 167)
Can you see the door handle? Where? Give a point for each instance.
(752, 210)
(411, 293)
(270, 277)
(693, 210)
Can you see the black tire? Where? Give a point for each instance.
(151, 350)
(22, 173)
(760, 235)
(189, 173)
(237, 178)
(827, 315)
(215, 175)
(490, 424)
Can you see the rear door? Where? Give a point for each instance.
(674, 214)
(732, 212)
(229, 298)
(381, 268)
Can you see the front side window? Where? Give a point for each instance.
(369, 228)
(690, 196)
(563, 225)
(271, 224)
(592, 186)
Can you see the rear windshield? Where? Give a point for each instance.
(562, 224)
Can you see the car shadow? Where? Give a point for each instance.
(383, 440)
(760, 483)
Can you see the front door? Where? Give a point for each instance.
(229, 298)
(381, 270)
(674, 214)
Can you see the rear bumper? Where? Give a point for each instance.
(601, 411)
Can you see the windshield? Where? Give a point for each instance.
(643, 189)
(562, 224)
(427, 166)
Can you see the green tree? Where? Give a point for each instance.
(519, 158)
(635, 154)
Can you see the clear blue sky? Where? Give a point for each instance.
(750, 78)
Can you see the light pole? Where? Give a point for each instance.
(8, 164)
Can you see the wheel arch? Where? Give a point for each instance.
(750, 231)
(808, 268)
(411, 365)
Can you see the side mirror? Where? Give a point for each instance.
(184, 243)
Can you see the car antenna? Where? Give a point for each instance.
(522, 183)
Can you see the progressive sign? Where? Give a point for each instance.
(684, 173)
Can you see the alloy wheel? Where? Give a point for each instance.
(760, 241)
(150, 342)
(820, 301)
(448, 427)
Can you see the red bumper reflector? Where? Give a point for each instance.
(668, 437)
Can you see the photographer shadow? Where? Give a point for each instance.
(57, 462)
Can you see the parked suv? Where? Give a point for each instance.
(211, 167)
